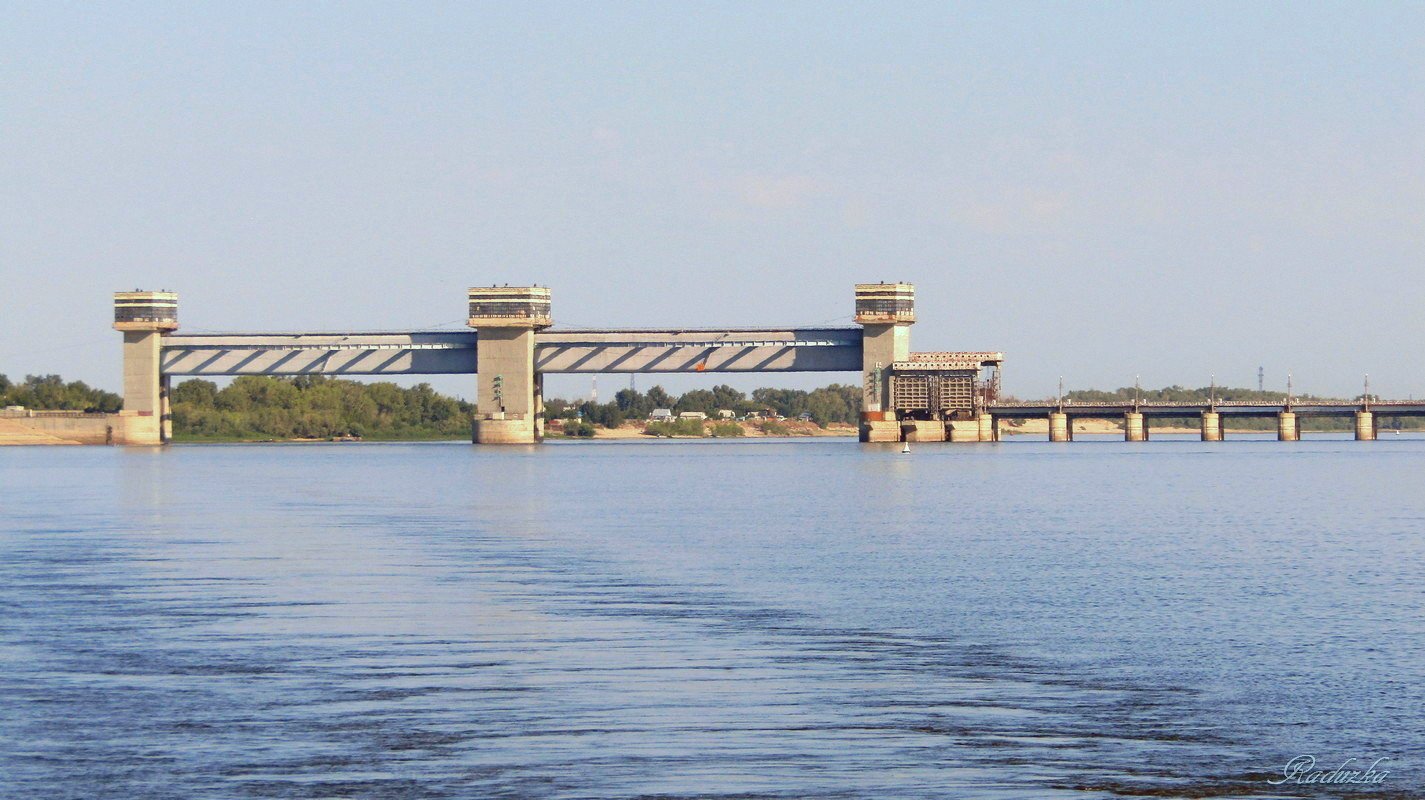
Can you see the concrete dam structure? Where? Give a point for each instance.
(512, 344)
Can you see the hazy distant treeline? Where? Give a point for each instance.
(1182, 394)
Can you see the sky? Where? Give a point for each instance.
(1166, 191)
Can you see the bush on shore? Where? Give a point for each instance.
(680, 427)
(727, 430)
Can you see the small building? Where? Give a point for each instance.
(661, 415)
(698, 415)
(805, 416)
(726, 413)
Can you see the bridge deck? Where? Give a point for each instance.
(556, 351)
(1252, 408)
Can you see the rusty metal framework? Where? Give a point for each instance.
(934, 393)
(951, 384)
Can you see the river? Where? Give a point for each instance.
(712, 619)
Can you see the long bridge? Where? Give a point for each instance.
(512, 345)
(1212, 415)
(562, 351)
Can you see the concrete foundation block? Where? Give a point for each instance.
(1059, 430)
(1135, 428)
(880, 431)
(1365, 426)
(1288, 427)
(963, 430)
(989, 428)
(510, 430)
(925, 431)
(1211, 426)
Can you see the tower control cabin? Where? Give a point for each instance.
(512, 344)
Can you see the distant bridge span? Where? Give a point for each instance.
(639, 350)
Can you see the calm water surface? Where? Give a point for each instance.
(711, 619)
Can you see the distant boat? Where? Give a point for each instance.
(906, 449)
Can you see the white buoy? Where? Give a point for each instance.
(905, 450)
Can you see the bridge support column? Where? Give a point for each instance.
(143, 318)
(1365, 426)
(1288, 427)
(1059, 428)
(989, 429)
(165, 409)
(1211, 426)
(1134, 427)
(885, 312)
(508, 399)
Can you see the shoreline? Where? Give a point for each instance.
(631, 432)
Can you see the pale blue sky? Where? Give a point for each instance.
(1100, 190)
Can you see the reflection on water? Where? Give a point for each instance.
(759, 619)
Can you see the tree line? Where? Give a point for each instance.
(263, 407)
(314, 407)
(50, 392)
(1226, 394)
(837, 403)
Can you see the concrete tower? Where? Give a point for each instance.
(144, 317)
(509, 402)
(885, 311)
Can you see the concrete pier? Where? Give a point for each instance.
(885, 312)
(1365, 426)
(1134, 429)
(143, 318)
(1059, 428)
(962, 430)
(1211, 426)
(988, 428)
(1288, 427)
(880, 430)
(165, 409)
(508, 400)
(925, 430)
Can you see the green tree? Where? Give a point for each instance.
(194, 393)
(50, 392)
(658, 398)
(725, 396)
(697, 400)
